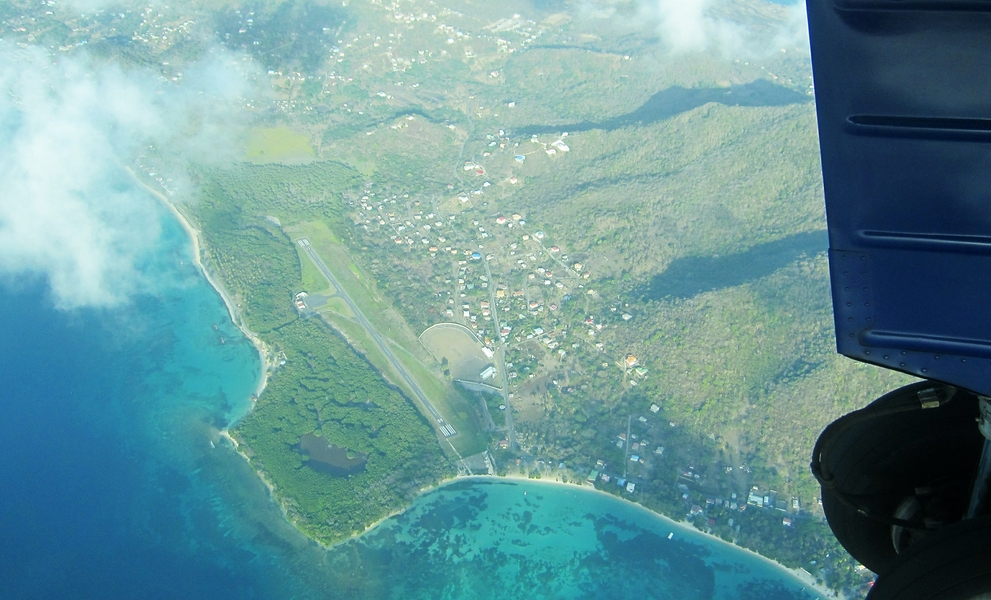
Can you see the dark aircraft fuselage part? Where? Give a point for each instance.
(903, 99)
(903, 96)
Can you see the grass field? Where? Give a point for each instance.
(450, 401)
(277, 144)
(313, 281)
(446, 398)
(360, 287)
(459, 346)
(339, 306)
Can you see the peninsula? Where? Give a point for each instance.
(625, 245)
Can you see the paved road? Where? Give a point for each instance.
(444, 427)
(501, 360)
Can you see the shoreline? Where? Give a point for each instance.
(264, 354)
(799, 575)
(276, 498)
(261, 476)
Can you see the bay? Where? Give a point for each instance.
(488, 537)
(117, 483)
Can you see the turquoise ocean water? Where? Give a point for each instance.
(506, 538)
(117, 485)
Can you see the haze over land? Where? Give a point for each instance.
(617, 203)
(72, 121)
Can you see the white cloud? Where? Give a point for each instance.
(683, 24)
(67, 126)
(794, 32)
(701, 25)
(90, 6)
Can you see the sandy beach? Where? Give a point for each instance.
(271, 487)
(194, 235)
(798, 574)
(232, 311)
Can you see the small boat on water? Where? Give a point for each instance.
(215, 328)
(222, 341)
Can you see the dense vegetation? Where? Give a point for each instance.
(324, 387)
(321, 385)
(689, 195)
(255, 258)
(718, 260)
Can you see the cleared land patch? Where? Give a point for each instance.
(446, 398)
(459, 346)
(278, 144)
(338, 305)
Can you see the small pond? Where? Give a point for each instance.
(328, 458)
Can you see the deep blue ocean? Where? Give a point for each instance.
(116, 485)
